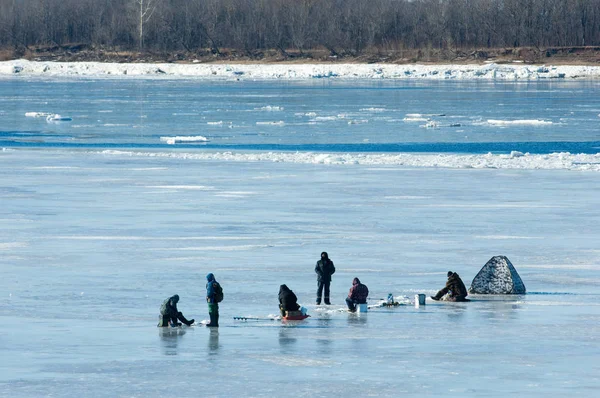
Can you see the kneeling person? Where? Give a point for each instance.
(287, 300)
(169, 314)
(454, 286)
(358, 295)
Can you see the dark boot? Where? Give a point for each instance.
(213, 312)
(351, 306)
(181, 318)
(440, 294)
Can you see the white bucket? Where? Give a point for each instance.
(361, 308)
(419, 300)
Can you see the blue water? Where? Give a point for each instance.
(342, 116)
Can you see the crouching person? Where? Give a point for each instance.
(169, 315)
(358, 295)
(287, 300)
(454, 286)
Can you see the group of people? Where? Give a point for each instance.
(170, 316)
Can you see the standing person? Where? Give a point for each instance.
(169, 315)
(456, 287)
(324, 270)
(357, 295)
(287, 300)
(214, 295)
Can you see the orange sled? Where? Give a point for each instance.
(294, 316)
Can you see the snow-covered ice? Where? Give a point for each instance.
(211, 71)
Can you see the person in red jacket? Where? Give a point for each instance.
(357, 295)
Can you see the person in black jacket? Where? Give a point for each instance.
(456, 288)
(324, 270)
(169, 314)
(287, 300)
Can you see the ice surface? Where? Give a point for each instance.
(122, 247)
(99, 224)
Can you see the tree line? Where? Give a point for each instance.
(341, 26)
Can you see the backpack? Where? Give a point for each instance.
(218, 292)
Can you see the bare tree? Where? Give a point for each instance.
(145, 10)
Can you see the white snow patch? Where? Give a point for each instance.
(532, 122)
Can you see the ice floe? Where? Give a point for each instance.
(270, 108)
(57, 118)
(490, 71)
(176, 139)
(279, 123)
(50, 117)
(38, 114)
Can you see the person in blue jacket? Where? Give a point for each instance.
(214, 295)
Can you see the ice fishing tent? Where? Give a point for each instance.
(498, 276)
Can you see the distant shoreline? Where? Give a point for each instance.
(300, 71)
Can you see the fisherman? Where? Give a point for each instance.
(324, 270)
(287, 300)
(456, 287)
(214, 295)
(169, 314)
(357, 295)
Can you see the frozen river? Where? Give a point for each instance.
(100, 221)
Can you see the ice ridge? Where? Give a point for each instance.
(490, 71)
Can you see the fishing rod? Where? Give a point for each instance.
(249, 318)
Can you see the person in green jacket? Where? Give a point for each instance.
(169, 315)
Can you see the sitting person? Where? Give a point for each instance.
(456, 287)
(287, 300)
(357, 295)
(169, 314)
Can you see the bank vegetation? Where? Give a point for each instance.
(298, 29)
